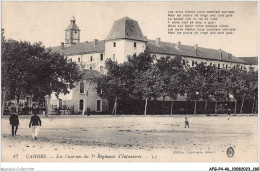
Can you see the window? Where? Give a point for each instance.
(114, 56)
(192, 63)
(135, 44)
(183, 62)
(81, 104)
(223, 66)
(226, 66)
(79, 59)
(114, 43)
(218, 65)
(210, 64)
(91, 58)
(75, 31)
(98, 105)
(101, 57)
(81, 87)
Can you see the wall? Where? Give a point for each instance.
(91, 100)
(123, 49)
(85, 59)
(188, 60)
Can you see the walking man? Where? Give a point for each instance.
(35, 122)
(228, 114)
(14, 121)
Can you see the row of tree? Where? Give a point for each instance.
(145, 77)
(31, 69)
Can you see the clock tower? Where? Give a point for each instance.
(72, 35)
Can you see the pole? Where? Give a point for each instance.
(216, 104)
(235, 107)
(195, 108)
(145, 106)
(171, 107)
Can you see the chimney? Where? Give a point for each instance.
(196, 49)
(95, 42)
(158, 40)
(62, 45)
(178, 45)
(220, 51)
(229, 56)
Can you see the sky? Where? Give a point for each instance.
(46, 22)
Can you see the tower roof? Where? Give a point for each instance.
(126, 28)
(73, 25)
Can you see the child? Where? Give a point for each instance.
(186, 122)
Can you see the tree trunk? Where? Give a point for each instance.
(17, 105)
(253, 106)
(235, 107)
(145, 106)
(163, 109)
(115, 105)
(205, 108)
(195, 107)
(114, 108)
(86, 97)
(3, 102)
(216, 108)
(171, 107)
(242, 104)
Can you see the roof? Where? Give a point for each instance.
(88, 73)
(250, 60)
(126, 28)
(73, 26)
(186, 50)
(81, 48)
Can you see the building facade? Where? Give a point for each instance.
(126, 38)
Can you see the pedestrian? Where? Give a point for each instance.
(14, 121)
(35, 122)
(187, 123)
(228, 113)
(43, 110)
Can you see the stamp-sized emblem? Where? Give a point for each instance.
(230, 152)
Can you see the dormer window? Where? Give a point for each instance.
(114, 44)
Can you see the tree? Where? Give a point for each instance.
(120, 81)
(171, 76)
(31, 69)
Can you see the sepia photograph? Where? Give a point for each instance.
(129, 82)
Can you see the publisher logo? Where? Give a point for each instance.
(230, 152)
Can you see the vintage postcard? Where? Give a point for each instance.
(129, 81)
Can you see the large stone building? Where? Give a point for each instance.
(126, 38)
